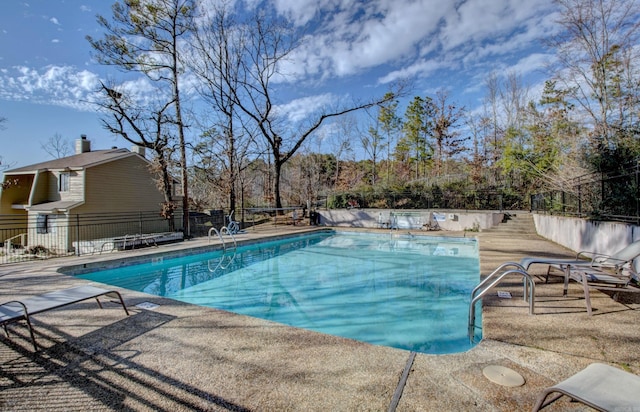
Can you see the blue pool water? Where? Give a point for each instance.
(408, 292)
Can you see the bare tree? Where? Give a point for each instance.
(145, 126)
(373, 144)
(340, 141)
(446, 119)
(217, 57)
(268, 43)
(57, 146)
(595, 50)
(2, 165)
(145, 37)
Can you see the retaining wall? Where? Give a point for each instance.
(585, 235)
(410, 219)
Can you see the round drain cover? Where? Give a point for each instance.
(503, 376)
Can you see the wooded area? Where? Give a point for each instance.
(519, 142)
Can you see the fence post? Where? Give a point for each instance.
(637, 195)
(78, 234)
(579, 200)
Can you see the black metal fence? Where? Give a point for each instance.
(612, 197)
(44, 236)
(433, 198)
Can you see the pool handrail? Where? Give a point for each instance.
(495, 273)
(213, 229)
(528, 290)
(226, 230)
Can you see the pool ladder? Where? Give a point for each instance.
(219, 233)
(504, 270)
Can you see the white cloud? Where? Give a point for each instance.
(299, 109)
(57, 85)
(414, 37)
(355, 37)
(54, 21)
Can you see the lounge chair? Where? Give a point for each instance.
(594, 270)
(603, 280)
(599, 386)
(619, 261)
(16, 310)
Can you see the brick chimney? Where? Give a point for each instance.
(83, 145)
(138, 149)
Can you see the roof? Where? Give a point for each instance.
(57, 206)
(78, 161)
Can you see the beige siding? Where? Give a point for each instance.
(52, 186)
(58, 237)
(125, 185)
(76, 187)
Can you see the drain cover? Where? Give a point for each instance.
(503, 376)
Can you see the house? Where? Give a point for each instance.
(53, 199)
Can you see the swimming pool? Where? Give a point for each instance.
(403, 291)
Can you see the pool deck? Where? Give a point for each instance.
(180, 357)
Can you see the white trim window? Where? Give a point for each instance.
(63, 182)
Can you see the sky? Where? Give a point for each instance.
(352, 48)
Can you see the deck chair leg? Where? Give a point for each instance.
(33, 337)
(545, 400)
(119, 296)
(587, 295)
(99, 303)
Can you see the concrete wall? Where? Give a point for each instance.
(584, 235)
(410, 219)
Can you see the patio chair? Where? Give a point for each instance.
(17, 310)
(599, 386)
(617, 262)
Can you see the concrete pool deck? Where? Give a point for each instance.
(181, 357)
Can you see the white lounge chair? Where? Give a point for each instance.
(619, 261)
(17, 310)
(594, 270)
(599, 386)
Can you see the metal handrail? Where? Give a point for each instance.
(213, 229)
(226, 230)
(22, 237)
(529, 291)
(496, 272)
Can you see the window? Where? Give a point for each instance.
(63, 182)
(42, 224)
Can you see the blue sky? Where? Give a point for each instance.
(355, 49)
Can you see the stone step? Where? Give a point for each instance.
(515, 223)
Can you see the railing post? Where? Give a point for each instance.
(78, 234)
(637, 194)
(579, 200)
